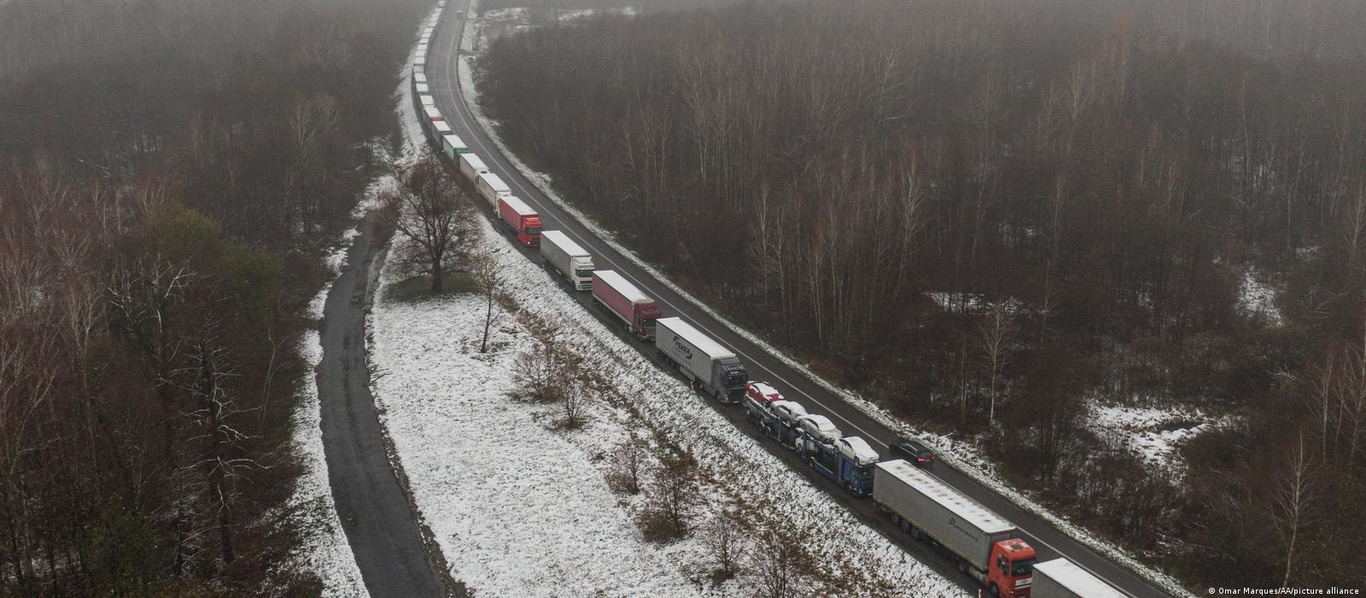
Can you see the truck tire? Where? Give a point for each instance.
(995, 591)
(962, 566)
(917, 536)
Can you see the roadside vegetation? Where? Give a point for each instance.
(995, 217)
(170, 176)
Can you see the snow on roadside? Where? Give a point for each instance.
(964, 456)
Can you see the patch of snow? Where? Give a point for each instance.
(1257, 299)
(972, 303)
(964, 456)
(1153, 434)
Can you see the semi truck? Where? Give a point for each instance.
(565, 256)
(848, 462)
(984, 544)
(706, 364)
(1061, 578)
(524, 221)
(617, 296)
(472, 166)
(453, 146)
(491, 187)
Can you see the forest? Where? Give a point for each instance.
(170, 175)
(989, 216)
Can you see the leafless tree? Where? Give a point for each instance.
(724, 540)
(434, 214)
(628, 463)
(997, 336)
(780, 562)
(674, 494)
(1291, 501)
(574, 398)
(488, 275)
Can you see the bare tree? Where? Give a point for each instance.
(997, 334)
(723, 539)
(540, 374)
(574, 398)
(1291, 499)
(780, 562)
(434, 214)
(628, 463)
(488, 275)
(674, 495)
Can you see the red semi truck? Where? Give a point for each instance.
(615, 294)
(524, 221)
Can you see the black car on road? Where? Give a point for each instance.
(912, 450)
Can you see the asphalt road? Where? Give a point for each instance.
(379, 524)
(1048, 541)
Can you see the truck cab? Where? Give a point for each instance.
(530, 235)
(734, 381)
(1012, 569)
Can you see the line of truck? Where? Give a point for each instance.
(984, 545)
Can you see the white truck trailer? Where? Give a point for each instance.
(703, 361)
(982, 543)
(564, 256)
(1061, 578)
(491, 187)
(472, 166)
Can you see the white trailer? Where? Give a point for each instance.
(1061, 578)
(472, 166)
(704, 362)
(453, 146)
(442, 129)
(491, 188)
(429, 102)
(929, 508)
(420, 78)
(565, 256)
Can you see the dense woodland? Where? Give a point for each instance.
(169, 172)
(987, 214)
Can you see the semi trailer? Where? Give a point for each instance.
(491, 188)
(617, 296)
(472, 166)
(1061, 578)
(982, 543)
(706, 364)
(565, 257)
(848, 462)
(453, 146)
(524, 221)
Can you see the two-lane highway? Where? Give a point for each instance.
(443, 79)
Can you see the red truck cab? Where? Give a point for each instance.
(1011, 573)
(524, 221)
